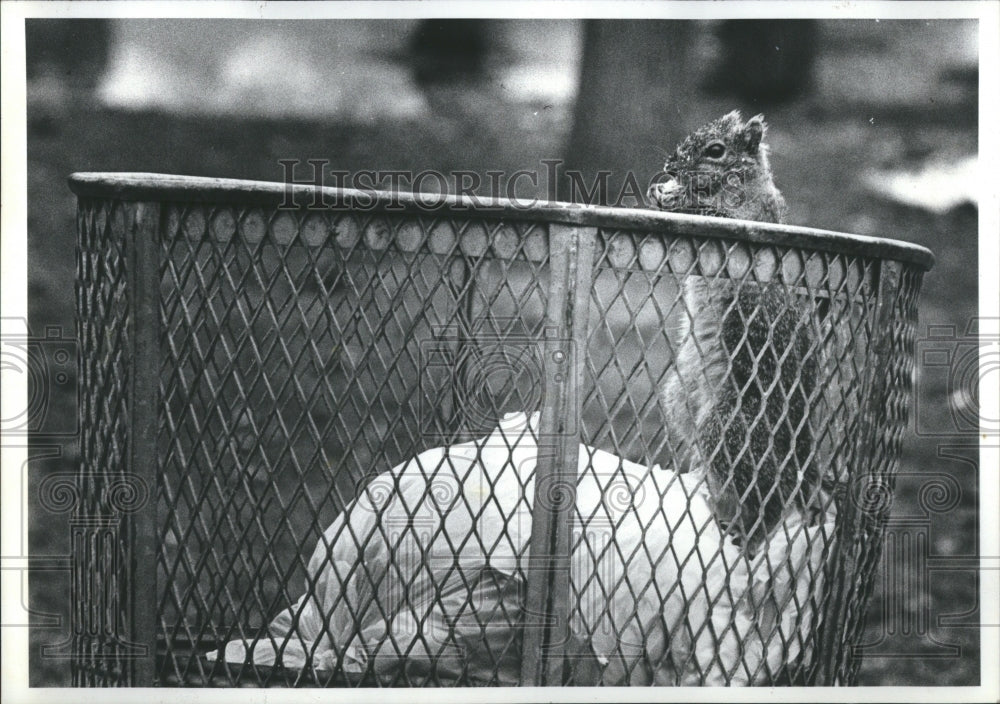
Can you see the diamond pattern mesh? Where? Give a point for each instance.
(102, 582)
(726, 528)
(775, 434)
(305, 354)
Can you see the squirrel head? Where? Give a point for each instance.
(721, 169)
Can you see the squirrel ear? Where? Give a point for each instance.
(753, 133)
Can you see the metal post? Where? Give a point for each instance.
(142, 245)
(547, 606)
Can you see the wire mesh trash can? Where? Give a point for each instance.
(342, 438)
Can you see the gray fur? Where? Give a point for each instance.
(715, 394)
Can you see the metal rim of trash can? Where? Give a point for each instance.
(161, 187)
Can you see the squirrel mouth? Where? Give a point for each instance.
(675, 197)
(666, 195)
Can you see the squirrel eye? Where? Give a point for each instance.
(715, 150)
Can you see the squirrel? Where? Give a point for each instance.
(737, 395)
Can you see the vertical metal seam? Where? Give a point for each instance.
(78, 669)
(463, 293)
(547, 606)
(143, 410)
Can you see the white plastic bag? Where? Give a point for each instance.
(422, 576)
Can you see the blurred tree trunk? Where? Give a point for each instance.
(75, 50)
(444, 51)
(635, 87)
(766, 61)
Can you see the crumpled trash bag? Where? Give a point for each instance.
(420, 578)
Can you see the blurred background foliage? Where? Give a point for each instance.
(873, 129)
